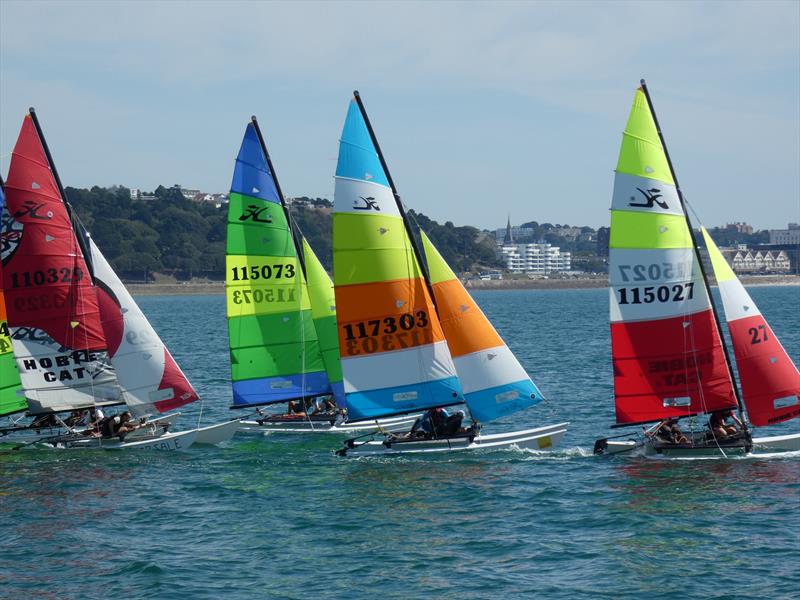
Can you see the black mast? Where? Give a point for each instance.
(292, 227)
(422, 265)
(697, 254)
(80, 234)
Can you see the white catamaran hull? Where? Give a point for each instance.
(778, 443)
(541, 438)
(179, 440)
(156, 427)
(216, 434)
(305, 426)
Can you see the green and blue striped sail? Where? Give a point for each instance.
(275, 351)
(11, 400)
(323, 312)
(394, 356)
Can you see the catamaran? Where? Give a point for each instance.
(280, 307)
(78, 338)
(670, 360)
(410, 336)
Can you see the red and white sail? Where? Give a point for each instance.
(150, 378)
(770, 380)
(53, 310)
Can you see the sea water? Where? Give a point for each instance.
(281, 516)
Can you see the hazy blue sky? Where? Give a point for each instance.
(481, 109)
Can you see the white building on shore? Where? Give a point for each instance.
(537, 259)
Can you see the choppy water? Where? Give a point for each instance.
(281, 516)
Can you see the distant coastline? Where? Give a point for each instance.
(201, 288)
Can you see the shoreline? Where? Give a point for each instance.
(218, 288)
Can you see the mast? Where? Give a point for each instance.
(697, 254)
(297, 248)
(417, 253)
(79, 236)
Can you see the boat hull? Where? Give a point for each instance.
(216, 434)
(304, 426)
(779, 443)
(168, 442)
(541, 438)
(22, 435)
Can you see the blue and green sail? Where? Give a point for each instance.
(275, 350)
(11, 400)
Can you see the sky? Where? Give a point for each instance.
(483, 110)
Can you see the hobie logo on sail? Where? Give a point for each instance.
(651, 197)
(253, 213)
(369, 204)
(31, 209)
(403, 396)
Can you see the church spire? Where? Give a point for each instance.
(509, 239)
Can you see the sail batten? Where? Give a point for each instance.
(770, 380)
(667, 351)
(275, 350)
(393, 354)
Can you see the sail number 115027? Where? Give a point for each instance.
(656, 293)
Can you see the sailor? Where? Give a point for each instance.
(719, 426)
(668, 431)
(452, 425)
(117, 425)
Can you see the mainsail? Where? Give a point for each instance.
(494, 382)
(150, 378)
(394, 355)
(667, 352)
(53, 311)
(769, 379)
(275, 351)
(11, 401)
(323, 313)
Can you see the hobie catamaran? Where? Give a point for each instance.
(411, 338)
(280, 306)
(78, 338)
(670, 359)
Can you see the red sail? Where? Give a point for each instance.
(669, 367)
(47, 283)
(770, 381)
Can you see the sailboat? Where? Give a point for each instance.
(670, 360)
(411, 338)
(79, 339)
(280, 306)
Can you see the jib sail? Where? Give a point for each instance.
(150, 378)
(769, 379)
(493, 381)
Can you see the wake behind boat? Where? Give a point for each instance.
(410, 336)
(670, 360)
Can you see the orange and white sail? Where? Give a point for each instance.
(494, 382)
